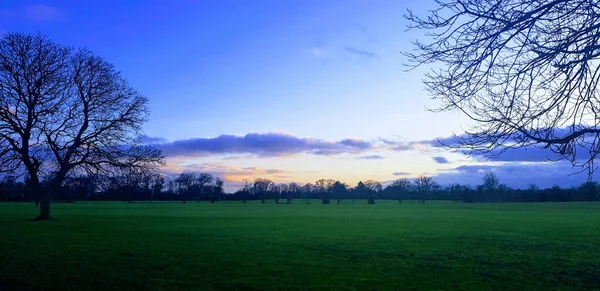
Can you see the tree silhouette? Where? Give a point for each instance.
(373, 188)
(275, 190)
(307, 190)
(339, 191)
(185, 185)
(261, 188)
(246, 191)
(323, 186)
(218, 189)
(424, 185)
(490, 182)
(293, 190)
(526, 71)
(65, 110)
(202, 182)
(399, 189)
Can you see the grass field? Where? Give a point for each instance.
(234, 246)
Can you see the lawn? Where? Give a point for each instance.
(235, 246)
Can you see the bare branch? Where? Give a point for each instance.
(527, 72)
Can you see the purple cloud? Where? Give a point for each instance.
(401, 174)
(268, 144)
(151, 140)
(362, 52)
(356, 143)
(441, 160)
(517, 175)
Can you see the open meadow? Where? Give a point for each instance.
(235, 246)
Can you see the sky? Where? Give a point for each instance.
(293, 90)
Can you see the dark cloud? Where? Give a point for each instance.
(388, 141)
(362, 52)
(268, 144)
(531, 153)
(517, 174)
(151, 140)
(371, 157)
(356, 143)
(523, 154)
(404, 147)
(400, 173)
(441, 160)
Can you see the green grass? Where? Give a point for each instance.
(234, 246)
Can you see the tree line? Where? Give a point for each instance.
(196, 187)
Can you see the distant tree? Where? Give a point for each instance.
(323, 186)
(202, 187)
(171, 186)
(261, 188)
(526, 71)
(589, 190)
(425, 185)
(307, 191)
(80, 187)
(275, 191)
(339, 191)
(490, 184)
(218, 190)
(559, 194)
(373, 188)
(293, 190)
(246, 190)
(185, 185)
(157, 186)
(65, 110)
(399, 189)
(533, 188)
(360, 190)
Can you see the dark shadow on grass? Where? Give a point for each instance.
(39, 219)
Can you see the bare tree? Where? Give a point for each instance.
(324, 188)
(275, 191)
(64, 110)
(293, 190)
(399, 188)
(490, 182)
(307, 191)
(261, 188)
(219, 188)
(158, 184)
(202, 181)
(185, 185)
(373, 188)
(339, 191)
(526, 71)
(424, 185)
(246, 191)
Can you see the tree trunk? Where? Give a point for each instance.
(44, 199)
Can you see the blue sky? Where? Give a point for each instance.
(288, 90)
